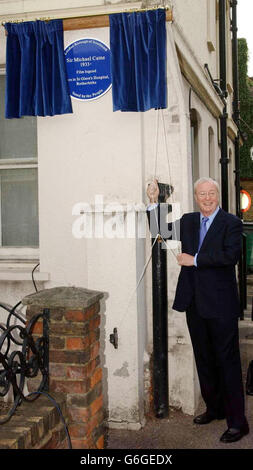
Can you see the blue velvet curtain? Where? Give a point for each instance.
(138, 60)
(36, 79)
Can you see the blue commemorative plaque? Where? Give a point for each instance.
(88, 68)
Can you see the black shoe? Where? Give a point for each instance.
(233, 434)
(206, 418)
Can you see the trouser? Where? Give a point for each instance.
(215, 344)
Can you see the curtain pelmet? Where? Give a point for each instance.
(36, 79)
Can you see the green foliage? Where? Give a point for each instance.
(246, 108)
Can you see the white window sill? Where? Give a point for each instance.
(17, 264)
(12, 273)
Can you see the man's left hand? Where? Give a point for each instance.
(185, 260)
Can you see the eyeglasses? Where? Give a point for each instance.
(203, 194)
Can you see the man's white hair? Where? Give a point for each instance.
(206, 179)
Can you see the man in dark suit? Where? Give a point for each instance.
(207, 292)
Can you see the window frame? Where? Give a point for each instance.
(17, 254)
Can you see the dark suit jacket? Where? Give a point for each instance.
(212, 284)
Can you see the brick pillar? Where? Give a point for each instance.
(74, 361)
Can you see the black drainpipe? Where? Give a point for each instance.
(157, 223)
(160, 330)
(242, 269)
(236, 110)
(223, 118)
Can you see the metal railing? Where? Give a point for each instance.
(22, 356)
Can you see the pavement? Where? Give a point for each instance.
(178, 430)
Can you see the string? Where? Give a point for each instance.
(167, 153)
(170, 179)
(156, 140)
(138, 283)
(145, 267)
(165, 241)
(171, 250)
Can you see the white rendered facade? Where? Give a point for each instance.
(97, 152)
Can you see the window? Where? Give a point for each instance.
(195, 124)
(195, 146)
(231, 182)
(211, 153)
(18, 179)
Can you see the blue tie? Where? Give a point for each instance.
(203, 230)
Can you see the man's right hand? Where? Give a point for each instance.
(153, 192)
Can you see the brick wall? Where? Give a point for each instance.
(36, 425)
(74, 369)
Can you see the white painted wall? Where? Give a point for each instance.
(92, 152)
(95, 151)
(196, 20)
